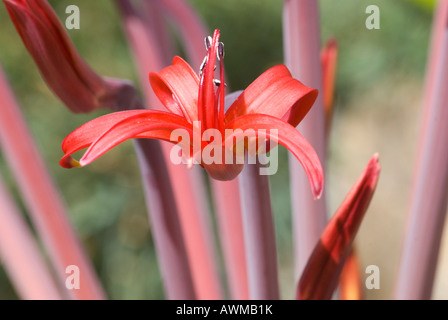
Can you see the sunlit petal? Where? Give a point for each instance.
(277, 94)
(177, 87)
(290, 138)
(121, 127)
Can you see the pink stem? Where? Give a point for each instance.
(230, 223)
(259, 234)
(225, 194)
(20, 254)
(156, 21)
(301, 32)
(191, 27)
(187, 184)
(47, 211)
(440, 17)
(166, 228)
(196, 226)
(428, 202)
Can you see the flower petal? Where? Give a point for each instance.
(287, 136)
(103, 133)
(83, 136)
(277, 94)
(321, 274)
(150, 125)
(177, 88)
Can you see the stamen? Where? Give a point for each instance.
(201, 68)
(222, 93)
(208, 42)
(220, 51)
(217, 83)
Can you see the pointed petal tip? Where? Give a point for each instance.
(319, 184)
(376, 158)
(374, 165)
(9, 2)
(69, 162)
(332, 43)
(12, 7)
(318, 190)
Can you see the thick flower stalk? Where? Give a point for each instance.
(301, 34)
(269, 109)
(321, 274)
(20, 255)
(68, 75)
(226, 197)
(428, 202)
(42, 199)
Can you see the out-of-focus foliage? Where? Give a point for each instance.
(105, 200)
(427, 5)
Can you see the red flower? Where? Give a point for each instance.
(270, 108)
(63, 69)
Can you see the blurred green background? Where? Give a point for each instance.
(379, 84)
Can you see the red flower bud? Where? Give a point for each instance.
(63, 69)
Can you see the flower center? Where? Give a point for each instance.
(211, 96)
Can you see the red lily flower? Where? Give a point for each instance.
(321, 274)
(63, 69)
(274, 101)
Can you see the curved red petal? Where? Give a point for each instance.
(277, 94)
(85, 135)
(150, 125)
(321, 274)
(290, 138)
(177, 88)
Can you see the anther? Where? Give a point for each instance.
(201, 68)
(217, 83)
(208, 42)
(220, 51)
